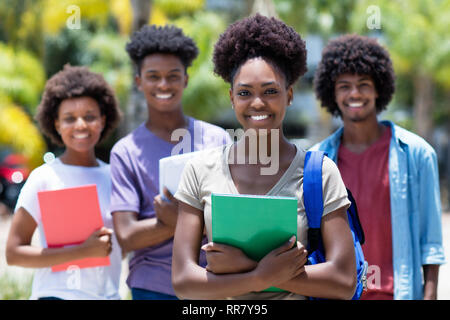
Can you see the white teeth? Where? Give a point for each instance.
(355, 105)
(80, 136)
(261, 117)
(164, 96)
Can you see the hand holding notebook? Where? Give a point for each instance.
(99, 243)
(282, 264)
(170, 170)
(70, 216)
(258, 225)
(222, 259)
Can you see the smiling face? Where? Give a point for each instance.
(80, 123)
(162, 80)
(356, 97)
(259, 95)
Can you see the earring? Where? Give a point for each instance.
(232, 106)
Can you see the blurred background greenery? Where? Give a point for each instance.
(37, 39)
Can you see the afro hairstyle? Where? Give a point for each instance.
(260, 36)
(354, 54)
(73, 82)
(169, 39)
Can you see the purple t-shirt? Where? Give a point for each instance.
(134, 167)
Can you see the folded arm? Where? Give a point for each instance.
(335, 278)
(194, 282)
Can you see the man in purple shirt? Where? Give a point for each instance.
(145, 223)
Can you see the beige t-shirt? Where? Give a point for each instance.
(209, 172)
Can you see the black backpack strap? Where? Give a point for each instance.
(357, 226)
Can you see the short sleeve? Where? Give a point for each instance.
(188, 188)
(124, 188)
(334, 191)
(28, 198)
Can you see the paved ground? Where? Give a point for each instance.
(22, 273)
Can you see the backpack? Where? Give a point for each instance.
(313, 200)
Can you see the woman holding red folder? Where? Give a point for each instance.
(261, 58)
(78, 109)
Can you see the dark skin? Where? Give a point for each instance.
(162, 80)
(260, 95)
(355, 97)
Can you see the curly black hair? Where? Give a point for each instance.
(354, 54)
(260, 36)
(73, 82)
(156, 39)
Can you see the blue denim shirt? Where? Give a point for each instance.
(415, 207)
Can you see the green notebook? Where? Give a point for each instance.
(255, 224)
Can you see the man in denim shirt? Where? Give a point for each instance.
(391, 172)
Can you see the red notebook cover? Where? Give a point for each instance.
(69, 217)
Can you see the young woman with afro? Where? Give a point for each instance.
(261, 58)
(77, 111)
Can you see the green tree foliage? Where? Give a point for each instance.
(27, 25)
(176, 8)
(325, 17)
(67, 46)
(56, 13)
(22, 77)
(206, 94)
(20, 24)
(416, 33)
(19, 132)
(102, 51)
(107, 56)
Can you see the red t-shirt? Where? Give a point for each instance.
(366, 175)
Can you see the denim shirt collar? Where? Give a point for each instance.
(333, 142)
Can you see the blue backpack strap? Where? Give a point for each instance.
(313, 200)
(312, 195)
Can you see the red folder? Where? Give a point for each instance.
(69, 217)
